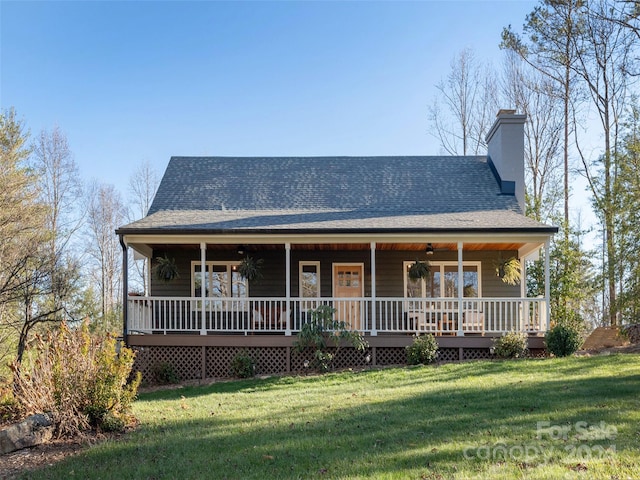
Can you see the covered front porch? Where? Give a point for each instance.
(459, 299)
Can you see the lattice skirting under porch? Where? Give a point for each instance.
(200, 362)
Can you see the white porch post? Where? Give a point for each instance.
(203, 286)
(523, 309)
(287, 252)
(460, 289)
(547, 283)
(374, 331)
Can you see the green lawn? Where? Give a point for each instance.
(555, 418)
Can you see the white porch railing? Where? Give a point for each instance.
(164, 315)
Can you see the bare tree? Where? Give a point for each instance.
(603, 53)
(552, 28)
(60, 186)
(143, 184)
(462, 115)
(105, 213)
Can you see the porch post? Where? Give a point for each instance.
(547, 283)
(287, 309)
(523, 310)
(460, 289)
(374, 331)
(203, 285)
(125, 289)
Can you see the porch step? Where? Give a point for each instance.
(604, 337)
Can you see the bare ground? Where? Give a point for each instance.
(18, 462)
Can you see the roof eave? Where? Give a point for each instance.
(546, 229)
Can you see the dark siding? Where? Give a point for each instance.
(327, 258)
(388, 266)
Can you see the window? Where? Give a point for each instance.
(310, 279)
(220, 280)
(443, 281)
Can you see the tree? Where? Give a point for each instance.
(572, 283)
(105, 213)
(603, 52)
(469, 97)
(142, 188)
(60, 190)
(27, 274)
(60, 187)
(551, 29)
(628, 219)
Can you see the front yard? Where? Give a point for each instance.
(577, 417)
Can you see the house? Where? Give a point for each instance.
(341, 231)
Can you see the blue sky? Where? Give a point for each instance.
(135, 81)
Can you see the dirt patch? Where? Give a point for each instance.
(48, 454)
(14, 463)
(604, 337)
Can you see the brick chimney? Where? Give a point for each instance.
(505, 154)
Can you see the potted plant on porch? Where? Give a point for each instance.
(419, 270)
(251, 268)
(165, 269)
(509, 270)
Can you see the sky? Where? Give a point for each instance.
(136, 81)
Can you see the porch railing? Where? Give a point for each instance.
(164, 315)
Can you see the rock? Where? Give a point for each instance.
(32, 431)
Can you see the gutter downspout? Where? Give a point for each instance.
(125, 289)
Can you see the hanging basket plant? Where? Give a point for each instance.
(165, 269)
(251, 268)
(419, 270)
(510, 270)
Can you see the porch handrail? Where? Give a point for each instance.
(495, 315)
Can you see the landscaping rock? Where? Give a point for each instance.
(32, 431)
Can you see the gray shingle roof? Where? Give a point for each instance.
(330, 193)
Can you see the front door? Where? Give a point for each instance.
(348, 283)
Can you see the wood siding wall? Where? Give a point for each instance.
(390, 281)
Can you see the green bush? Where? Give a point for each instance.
(511, 345)
(243, 366)
(80, 379)
(423, 350)
(563, 340)
(165, 374)
(324, 330)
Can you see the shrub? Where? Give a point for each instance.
(511, 345)
(79, 378)
(324, 330)
(243, 366)
(165, 374)
(563, 340)
(424, 349)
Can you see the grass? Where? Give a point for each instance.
(575, 417)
